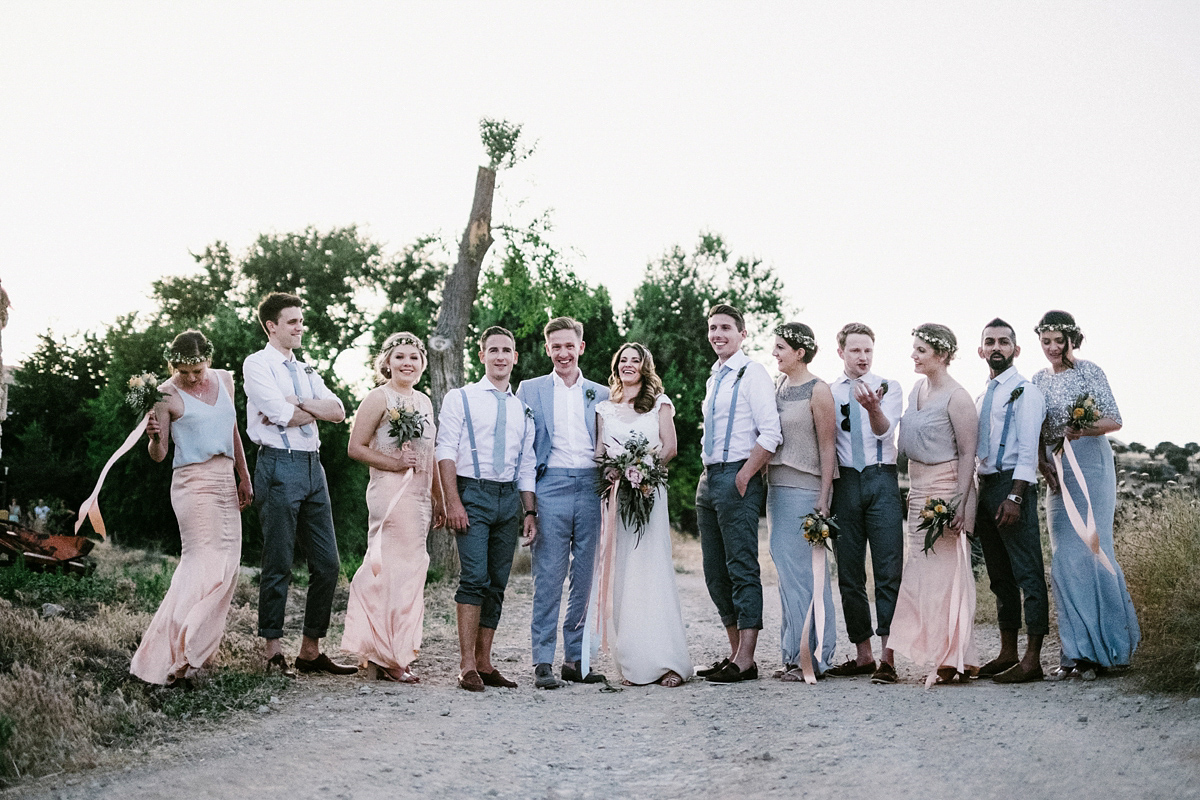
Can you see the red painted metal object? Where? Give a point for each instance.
(44, 552)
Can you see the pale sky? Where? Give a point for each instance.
(897, 163)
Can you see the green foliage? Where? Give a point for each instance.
(501, 140)
(669, 315)
(530, 286)
(225, 692)
(140, 587)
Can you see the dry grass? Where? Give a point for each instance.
(1158, 546)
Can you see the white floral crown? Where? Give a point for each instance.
(1059, 327)
(404, 338)
(175, 357)
(944, 345)
(795, 339)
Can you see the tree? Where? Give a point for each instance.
(669, 315)
(1137, 447)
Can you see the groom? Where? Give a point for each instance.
(564, 414)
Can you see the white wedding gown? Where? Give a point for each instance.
(648, 637)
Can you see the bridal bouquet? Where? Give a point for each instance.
(935, 517)
(638, 473)
(405, 424)
(819, 530)
(144, 394)
(1082, 415)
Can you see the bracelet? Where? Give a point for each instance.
(531, 512)
(1016, 498)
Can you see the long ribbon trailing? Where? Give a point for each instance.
(375, 548)
(1086, 530)
(960, 616)
(599, 612)
(816, 611)
(90, 509)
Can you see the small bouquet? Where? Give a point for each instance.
(935, 517)
(819, 530)
(638, 474)
(144, 394)
(406, 424)
(1082, 415)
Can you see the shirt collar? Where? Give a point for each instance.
(485, 385)
(735, 362)
(278, 356)
(1007, 376)
(559, 383)
(869, 378)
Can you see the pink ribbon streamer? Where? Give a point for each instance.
(816, 611)
(960, 620)
(375, 548)
(599, 613)
(1086, 530)
(90, 509)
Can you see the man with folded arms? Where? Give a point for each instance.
(1010, 421)
(284, 399)
(485, 455)
(866, 501)
(564, 416)
(741, 432)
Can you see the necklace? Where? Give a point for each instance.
(203, 388)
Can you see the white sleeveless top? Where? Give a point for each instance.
(204, 431)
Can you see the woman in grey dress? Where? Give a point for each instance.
(1096, 619)
(800, 480)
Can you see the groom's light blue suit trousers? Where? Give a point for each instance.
(568, 530)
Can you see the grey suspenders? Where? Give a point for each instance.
(471, 437)
(737, 383)
(1008, 415)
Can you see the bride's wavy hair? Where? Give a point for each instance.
(652, 385)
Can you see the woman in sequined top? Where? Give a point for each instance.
(1096, 619)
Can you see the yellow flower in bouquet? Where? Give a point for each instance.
(937, 515)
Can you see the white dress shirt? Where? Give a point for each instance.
(570, 445)
(454, 441)
(268, 381)
(756, 418)
(1020, 451)
(892, 405)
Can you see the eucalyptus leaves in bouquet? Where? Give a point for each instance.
(637, 473)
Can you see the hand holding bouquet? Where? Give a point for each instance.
(144, 394)
(819, 529)
(405, 424)
(936, 516)
(1083, 415)
(637, 473)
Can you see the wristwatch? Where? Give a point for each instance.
(1016, 498)
(531, 512)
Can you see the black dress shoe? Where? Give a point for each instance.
(731, 674)
(322, 663)
(278, 662)
(573, 675)
(717, 666)
(995, 667)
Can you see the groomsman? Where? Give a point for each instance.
(866, 501)
(485, 455)
(564, 443)
(284, 399)
(741, 431)
(1010, 421)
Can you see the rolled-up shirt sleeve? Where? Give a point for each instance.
(322, 392)
(450, 425)
(763, 409)
(1031, 408)
(893, 408)
(264, 393)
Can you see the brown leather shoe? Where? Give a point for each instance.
(278, 662)
(995, 667)
(849, 668)
(322, 663)
(1016, 674)
(885, 674)
(494, 678)
(471, 681)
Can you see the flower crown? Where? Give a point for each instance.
(1059, 327)
(938, 342)
(795, 339)
(172, 356)
(404, 338)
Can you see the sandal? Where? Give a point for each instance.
(671, 680)
(949, 675)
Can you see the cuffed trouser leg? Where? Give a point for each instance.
(485, 549)
(729, 543)
(1013, 557)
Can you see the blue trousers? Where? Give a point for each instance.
(565, 547)
(729, 544)
(869, 511)
(292, 500)
(485, 548)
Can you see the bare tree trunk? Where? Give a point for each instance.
(446, 345)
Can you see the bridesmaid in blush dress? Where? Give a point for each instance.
(934, 624)
(199, 417)
(386, 609)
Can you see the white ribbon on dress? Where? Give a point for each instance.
(90, 509)
(1086, 530)
(816, 611)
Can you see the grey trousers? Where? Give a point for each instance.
(292, 500)
(1013, 556)
(728, 525)
(485, 548)
(869, 511)
(568, 529)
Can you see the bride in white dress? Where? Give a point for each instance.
(646, 634)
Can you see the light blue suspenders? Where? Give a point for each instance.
(471, 437)
(1004, 431)
(283, 428)
(737, 383)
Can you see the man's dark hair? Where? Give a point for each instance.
(999, 323)
(729, 311)
(273, 305)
